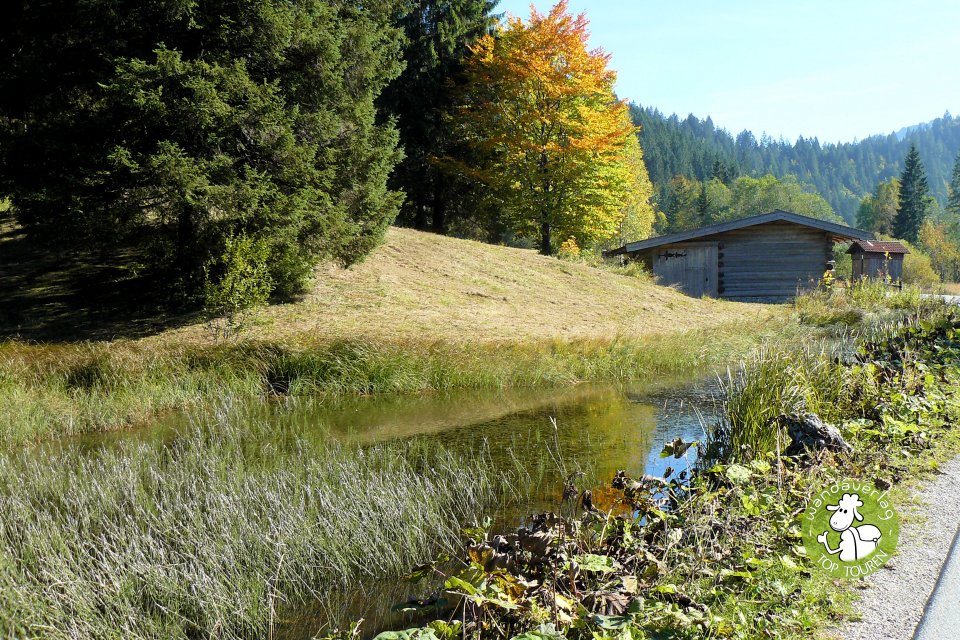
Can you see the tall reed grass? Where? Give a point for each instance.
(208, 535)
(770, 384)
(863, 301)
(48, 391)
(809, 378)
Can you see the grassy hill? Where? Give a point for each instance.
(421, 286)
(423, 312)
(418, 286)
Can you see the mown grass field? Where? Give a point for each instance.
(423, 313)
(424, 287)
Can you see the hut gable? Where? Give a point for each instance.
(769, 256)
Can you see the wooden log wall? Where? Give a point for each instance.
(771, 260)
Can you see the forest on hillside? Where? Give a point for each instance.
(843, 174)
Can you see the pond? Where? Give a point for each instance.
(602, 428)
(598, 428)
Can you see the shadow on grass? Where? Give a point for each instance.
(48, 297)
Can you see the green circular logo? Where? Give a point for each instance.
(850, 529)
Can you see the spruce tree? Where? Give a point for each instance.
(953, 196)
(703, 204)
(914, 192)
(173, 131)
(438, 36)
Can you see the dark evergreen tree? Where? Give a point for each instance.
(953, 192)
(438, 34)
(703, 204)
(914, 193)
(719, 172)
(172, 128)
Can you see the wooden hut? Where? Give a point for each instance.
(769, 256)
(877, 259)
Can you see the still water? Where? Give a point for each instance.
(598, 428)
(602, 428)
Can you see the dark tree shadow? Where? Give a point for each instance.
(47, 297)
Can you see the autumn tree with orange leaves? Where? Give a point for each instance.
(555, 144)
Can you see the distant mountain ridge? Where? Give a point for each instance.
(843, 173)
(903, 132)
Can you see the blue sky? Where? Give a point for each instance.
(836, 70)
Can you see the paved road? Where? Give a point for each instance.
(941, 617)
(893, 602)
(946, 298)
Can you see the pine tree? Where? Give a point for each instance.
(953, 199)
(914, 192)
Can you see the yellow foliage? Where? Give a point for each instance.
(828, 280)
(557, 146)
(943, 249)
(918, 270)
(569, 250)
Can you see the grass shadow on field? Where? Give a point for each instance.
(72, 297)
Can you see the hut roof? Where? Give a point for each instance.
(877, 246)
(839, 231)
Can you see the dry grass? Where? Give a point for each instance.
(422, 286)
(949, 288)
(424, 312)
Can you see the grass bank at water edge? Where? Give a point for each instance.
(212, 534)
(721, 555)
(49, 391)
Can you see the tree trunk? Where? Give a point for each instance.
(185, 260)
(439, 212)
(546, 247)
(420, 215)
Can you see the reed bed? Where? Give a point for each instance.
(823, 378)
(864, 301)
(50, 391)
(210, 534)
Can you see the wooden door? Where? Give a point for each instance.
(692, 268)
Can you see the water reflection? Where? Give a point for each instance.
(601, 428)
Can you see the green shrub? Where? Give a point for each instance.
(240, 279)
(918, 270)
(634, 269)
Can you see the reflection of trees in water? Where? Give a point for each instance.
(600, 428)
(341, 608)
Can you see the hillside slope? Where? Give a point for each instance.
(427, 287)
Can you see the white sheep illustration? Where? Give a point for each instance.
(856, 543)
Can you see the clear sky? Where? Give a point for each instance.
(836, 70)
